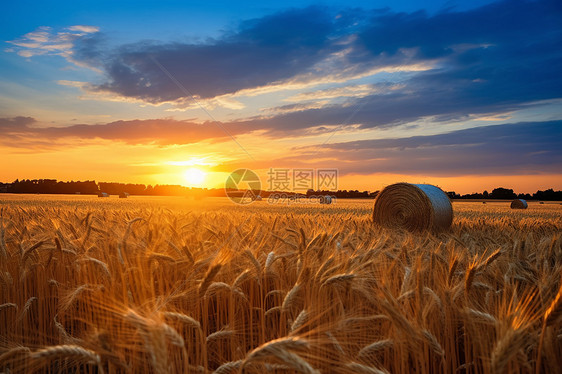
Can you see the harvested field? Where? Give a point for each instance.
(170, 285)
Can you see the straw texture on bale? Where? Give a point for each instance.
(413, 207)
(519, 204)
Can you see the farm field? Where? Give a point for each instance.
(171, 285)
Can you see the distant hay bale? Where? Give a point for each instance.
(103, 194)
(326, 199)
(519, 204)
(542, 202)
(123, 195)
(413, 207)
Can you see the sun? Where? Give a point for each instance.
(195, 177)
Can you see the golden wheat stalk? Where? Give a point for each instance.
(551, 315)
(481, 316)
(505, 349)
(358, 368)
(273, 311)
(67, 338)
(102, 265)
(554, 311)
(206, 282)
(173, 336)
(335, 343)
(291, 298)
(187, 320)
(452, 270)
(288, 358)
(8, 305)
(433, 343)
(400, 321)
(469, 276)
(253, 260)
(340, 280)
(269, 262)
(299, 321)
(68, 351)
(497, 253)
(282, 344)
(160, 257)
(216, 287)
(229, 367)
(224, 333)
(8, 356)
(31, 249)
(376, 347)
(3, 248)
(26, 307)
(154, 337)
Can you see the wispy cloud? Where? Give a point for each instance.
(21, 130)
(336, 92)
(84, 29)
(530, 148)
(510, 149)
(46, 41)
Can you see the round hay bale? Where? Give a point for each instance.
(519, 204)
(413, 207)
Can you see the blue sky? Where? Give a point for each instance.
(163, 18)
(379, 90)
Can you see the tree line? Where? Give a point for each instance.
(52, 186)
(501, 193)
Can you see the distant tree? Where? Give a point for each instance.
(549, 194)
(502, 193)
(453, 195)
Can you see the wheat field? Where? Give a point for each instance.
(170, 285)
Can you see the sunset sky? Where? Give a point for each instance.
(465, 95)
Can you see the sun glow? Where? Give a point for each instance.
(195, 177)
